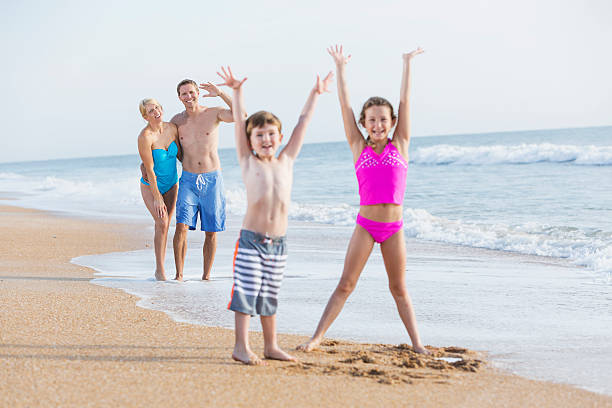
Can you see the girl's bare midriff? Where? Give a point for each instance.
(386, 212)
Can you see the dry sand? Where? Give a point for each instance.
(66, 342)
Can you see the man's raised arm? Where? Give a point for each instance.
(224, 115)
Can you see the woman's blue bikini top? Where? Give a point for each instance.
(165, 167)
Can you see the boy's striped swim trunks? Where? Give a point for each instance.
(259, 264)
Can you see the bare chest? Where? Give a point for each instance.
(269, 182)
(199, 130)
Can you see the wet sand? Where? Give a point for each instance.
(67, 342)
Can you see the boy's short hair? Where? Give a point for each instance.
(185, 82)
(259, 119)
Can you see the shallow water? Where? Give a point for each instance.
(539, 317)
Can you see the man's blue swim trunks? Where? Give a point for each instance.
(201, 193)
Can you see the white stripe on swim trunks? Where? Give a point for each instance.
(253, 252)
(256, 286)
(257, 274)
(258, 268)
(256, 292)
(262, 265)
(255, 289)
(252, 273)
(248, 275)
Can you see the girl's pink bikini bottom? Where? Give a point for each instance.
(380, 231)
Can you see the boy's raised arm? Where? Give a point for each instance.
(239, 112)
(297, 137)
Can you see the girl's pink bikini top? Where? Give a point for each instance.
(382, 178)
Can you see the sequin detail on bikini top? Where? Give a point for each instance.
(381, 178)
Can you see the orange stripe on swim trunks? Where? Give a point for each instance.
(233, 267)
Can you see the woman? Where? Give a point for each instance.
(381, 166)
(158, 147)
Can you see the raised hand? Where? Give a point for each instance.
(338, 56)
(323, 85)
(211, 88)
(229, 78)
(408, 56)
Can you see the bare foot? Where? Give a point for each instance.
(178, 278)
(278, 354)
(204, 277)
(421, 350)
(309, 345)
(160, 275)
(248, 358)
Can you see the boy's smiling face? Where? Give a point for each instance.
(265, 140)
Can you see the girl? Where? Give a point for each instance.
(381, 166)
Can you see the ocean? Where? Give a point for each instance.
(509, 243)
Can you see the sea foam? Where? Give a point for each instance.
(519, 154)
(592, 249)
(97, 197)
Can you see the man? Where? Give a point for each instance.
(201, 183)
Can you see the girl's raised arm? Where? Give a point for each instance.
(238, 111)
(351, 130)
(401, 136)
(297, 136)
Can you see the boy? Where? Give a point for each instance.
(261, 255)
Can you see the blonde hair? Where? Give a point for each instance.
(147, 101)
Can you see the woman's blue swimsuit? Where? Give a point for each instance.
(164, 167)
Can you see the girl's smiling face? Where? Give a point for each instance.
(378, 122)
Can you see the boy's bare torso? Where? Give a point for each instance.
(268, 185)
(199, 138)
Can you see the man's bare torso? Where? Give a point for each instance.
(199, 138)
(268, 186)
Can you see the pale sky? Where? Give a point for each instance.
(73, 72)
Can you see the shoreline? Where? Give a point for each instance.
(68, 342)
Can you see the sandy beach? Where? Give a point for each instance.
(67, 342)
